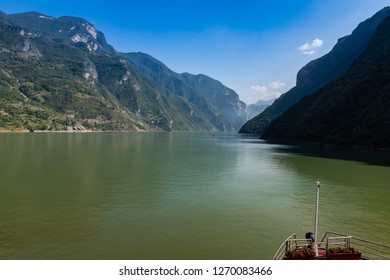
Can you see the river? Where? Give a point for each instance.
(179, 195)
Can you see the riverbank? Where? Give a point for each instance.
(45, 131)
(69, 129)
(16, 131)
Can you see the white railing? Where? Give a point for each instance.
(291, 243)
(369, 249)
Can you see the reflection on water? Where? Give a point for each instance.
(381, 158)
(177, 196)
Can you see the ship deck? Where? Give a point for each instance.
(333, 246)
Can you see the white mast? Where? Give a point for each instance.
(315, 247)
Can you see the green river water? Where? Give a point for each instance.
(179, 195)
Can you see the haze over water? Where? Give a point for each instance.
(179, 195)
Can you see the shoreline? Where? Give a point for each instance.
(77, 129)
(65, 131)
(96, 131)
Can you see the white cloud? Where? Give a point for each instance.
(317, 43)
(259, 89)
(309, 48)
(277, 85)
(266, 92)
(304, 47)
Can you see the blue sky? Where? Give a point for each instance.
(253, 47)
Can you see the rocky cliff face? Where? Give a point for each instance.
(70, 29)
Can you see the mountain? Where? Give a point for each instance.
(50, 84)
(202, 97)
(257, 108)
(320, 72)
(352, 110)
(61, 72)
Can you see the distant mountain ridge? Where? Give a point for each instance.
(58, 73)
(257, 108)
(320, 72)
(216, 100)
(350, 111)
